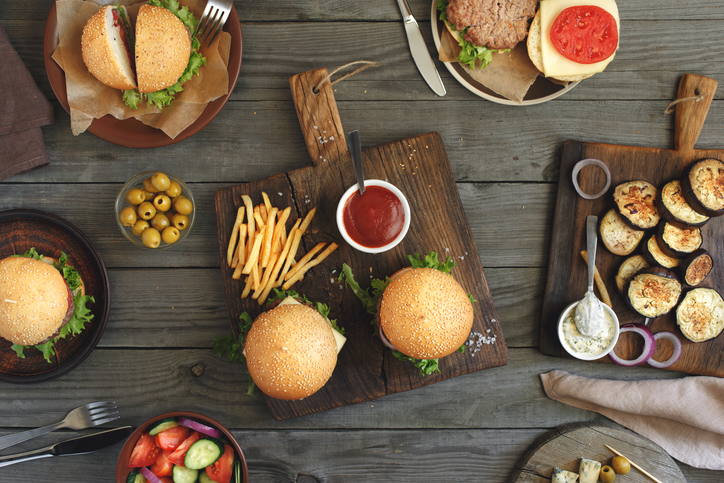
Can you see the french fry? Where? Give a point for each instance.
(264, 213)
(230, 250)
(267, 203)
(304, 260)
(265, 278)
(280, 225)
(283, 238)
(254, 255)
(267, 244)
(605, 298)
(251, 229)
(307, 220)
(277, 267)
(259, 221)
(247, 287)
(255, 277)
(300, 273)
(240, 254)
(296, 236)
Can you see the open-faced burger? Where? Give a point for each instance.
(636, 203)
(620, 238)
(653, 255)
(628, 268)
(701, 314)
(673, 207)
(703, 187)
(678, 242)
(653, 292)
(696, 267)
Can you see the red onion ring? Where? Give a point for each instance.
(201, 428)
(674, 357)
(582, 164)
(148, 475)
(649, 346)
(383, 338)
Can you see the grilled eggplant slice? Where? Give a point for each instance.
(701, 314)
(703, 187)
(630, 267)
(678, 242)
(617, 236)
(653, 292)
(636, 202)
(673, 207)
(654, 256)
(695, 268)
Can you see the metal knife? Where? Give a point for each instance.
(418, 48)
(82, 445)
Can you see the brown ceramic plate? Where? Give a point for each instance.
(122, 469)
(130, 132)
(21, 230)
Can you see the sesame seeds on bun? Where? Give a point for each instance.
(34, 300)
(425, 313)
(104, 50)
(290, 351)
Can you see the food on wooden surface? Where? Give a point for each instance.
(636, 203)
(701, 314)
(571, 40)
(675, 354)
(590, 162)
(653, 255)
(42, 300)
(673, 207)
(374, 219)
(149, 64)
(484, 26)
(648, 349)
(607, 475)
(678, 242)
(589, 470)
(563, 476)
(605, 298)
(696, 267)
(653, 292)
(262, 249)
(584, 346)
(291, 350)
(703, 187)
(621, 465)
(617, 236)
(628, 268)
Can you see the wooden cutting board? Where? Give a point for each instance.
(567, 272)
(419, 167)
(566, 445)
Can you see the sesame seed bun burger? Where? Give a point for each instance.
(41, 300)
(291, 350)
(149, 62)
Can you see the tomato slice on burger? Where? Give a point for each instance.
(221, 470)
(145, 452)
(585, 34)
(177, 457)
(162, 466)
(172, 438)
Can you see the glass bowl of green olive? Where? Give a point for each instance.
(155, 210)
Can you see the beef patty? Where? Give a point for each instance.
(496, 24)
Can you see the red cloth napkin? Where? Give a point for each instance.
(683, 416)
(23, 109)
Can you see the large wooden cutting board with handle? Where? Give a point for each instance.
(419, 167)
(567, 271)
(566, 445)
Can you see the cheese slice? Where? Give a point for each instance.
(589, 470)
(554, 64)
(563, 476)
(338, 338)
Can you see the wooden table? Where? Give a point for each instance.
(168, 306)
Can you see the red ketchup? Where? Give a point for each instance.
(375, 218)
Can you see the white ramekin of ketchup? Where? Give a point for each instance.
(375, 221)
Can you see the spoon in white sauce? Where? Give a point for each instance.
(589, 311)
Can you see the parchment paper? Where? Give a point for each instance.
(90, 99)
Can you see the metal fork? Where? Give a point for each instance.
(88, 416)
(213, 20)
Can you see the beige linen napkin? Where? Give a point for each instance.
(683, 416)
(23, 109)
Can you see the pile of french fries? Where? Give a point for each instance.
(262, 250)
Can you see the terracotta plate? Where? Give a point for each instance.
(541, 91)
(131, 132)
(50, 235)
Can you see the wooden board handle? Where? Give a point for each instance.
(318, 116)
(690, 115)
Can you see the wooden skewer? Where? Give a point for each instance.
(634, 465)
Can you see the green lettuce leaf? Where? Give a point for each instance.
(318, 306)
(430, 261)
(469, 52)
(426, 366)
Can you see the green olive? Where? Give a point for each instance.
(160, 221)
(127, 216)
(160, 181)
(183, 205)
(170, 234)
(148, 196)
(174, 190)
(180, 221)
(135, 196)
(139, 227)
(146, 211)
(621, 465)
(162, 203)
(607, 475)
(151, 238)
(148, 186)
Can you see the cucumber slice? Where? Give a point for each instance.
(162, 426)
(203, 453)
(184, 475)
(135, 477)
(204, 478)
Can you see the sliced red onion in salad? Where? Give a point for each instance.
(383, 338)
(674, 357)
(582, 164)
(201, 428)
(649, 346)
(148, 475)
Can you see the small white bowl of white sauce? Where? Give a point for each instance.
(588, 348)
